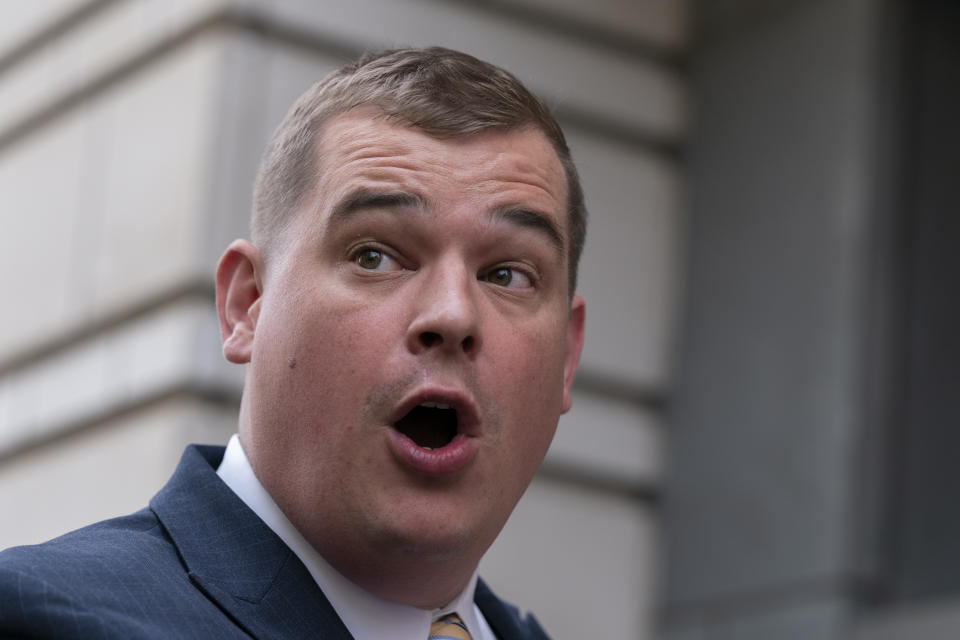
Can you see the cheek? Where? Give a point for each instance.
(293, 348)
(534, 358)
(328, 355)
(530, 383)
(323, 361)
(312, 324)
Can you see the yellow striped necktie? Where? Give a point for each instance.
(449, 627)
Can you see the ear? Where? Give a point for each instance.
(574, 347)
(238, 299)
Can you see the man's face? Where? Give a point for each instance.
(414, 341)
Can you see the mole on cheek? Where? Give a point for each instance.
(291, 362)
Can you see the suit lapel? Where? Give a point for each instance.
(236, 560)
(504, 618)
(244, 567)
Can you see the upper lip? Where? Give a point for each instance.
(468, 417)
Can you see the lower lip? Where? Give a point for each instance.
(434, 462)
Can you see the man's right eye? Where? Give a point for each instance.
(369, 258)
(374, 259)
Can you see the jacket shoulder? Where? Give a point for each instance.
(117, 578)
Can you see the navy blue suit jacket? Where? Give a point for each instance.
(196, 563)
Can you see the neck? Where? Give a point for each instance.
(410, 580)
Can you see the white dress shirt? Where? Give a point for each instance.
(366, 616)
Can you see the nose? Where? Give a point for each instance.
(446, 317)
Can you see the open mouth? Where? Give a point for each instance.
(430, 425)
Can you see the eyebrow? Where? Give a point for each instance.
(532, 220)
(364, 199)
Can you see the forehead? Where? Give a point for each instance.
(363, 149)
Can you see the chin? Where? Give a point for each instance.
(425, 539)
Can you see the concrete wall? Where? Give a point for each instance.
(769, 448)
(129, 135)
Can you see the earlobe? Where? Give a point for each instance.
(238, 299)
(575, 326)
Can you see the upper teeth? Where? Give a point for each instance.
(435, 405)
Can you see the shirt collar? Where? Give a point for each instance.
(366, 616)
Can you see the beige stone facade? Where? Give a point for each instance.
(129, 135)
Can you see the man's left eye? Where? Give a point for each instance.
(507, 277)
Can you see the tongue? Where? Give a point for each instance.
(429, 428)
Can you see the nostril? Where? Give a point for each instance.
(430, 339)
(467, 344)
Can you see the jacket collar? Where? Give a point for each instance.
(504, 618)
(235, 559)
